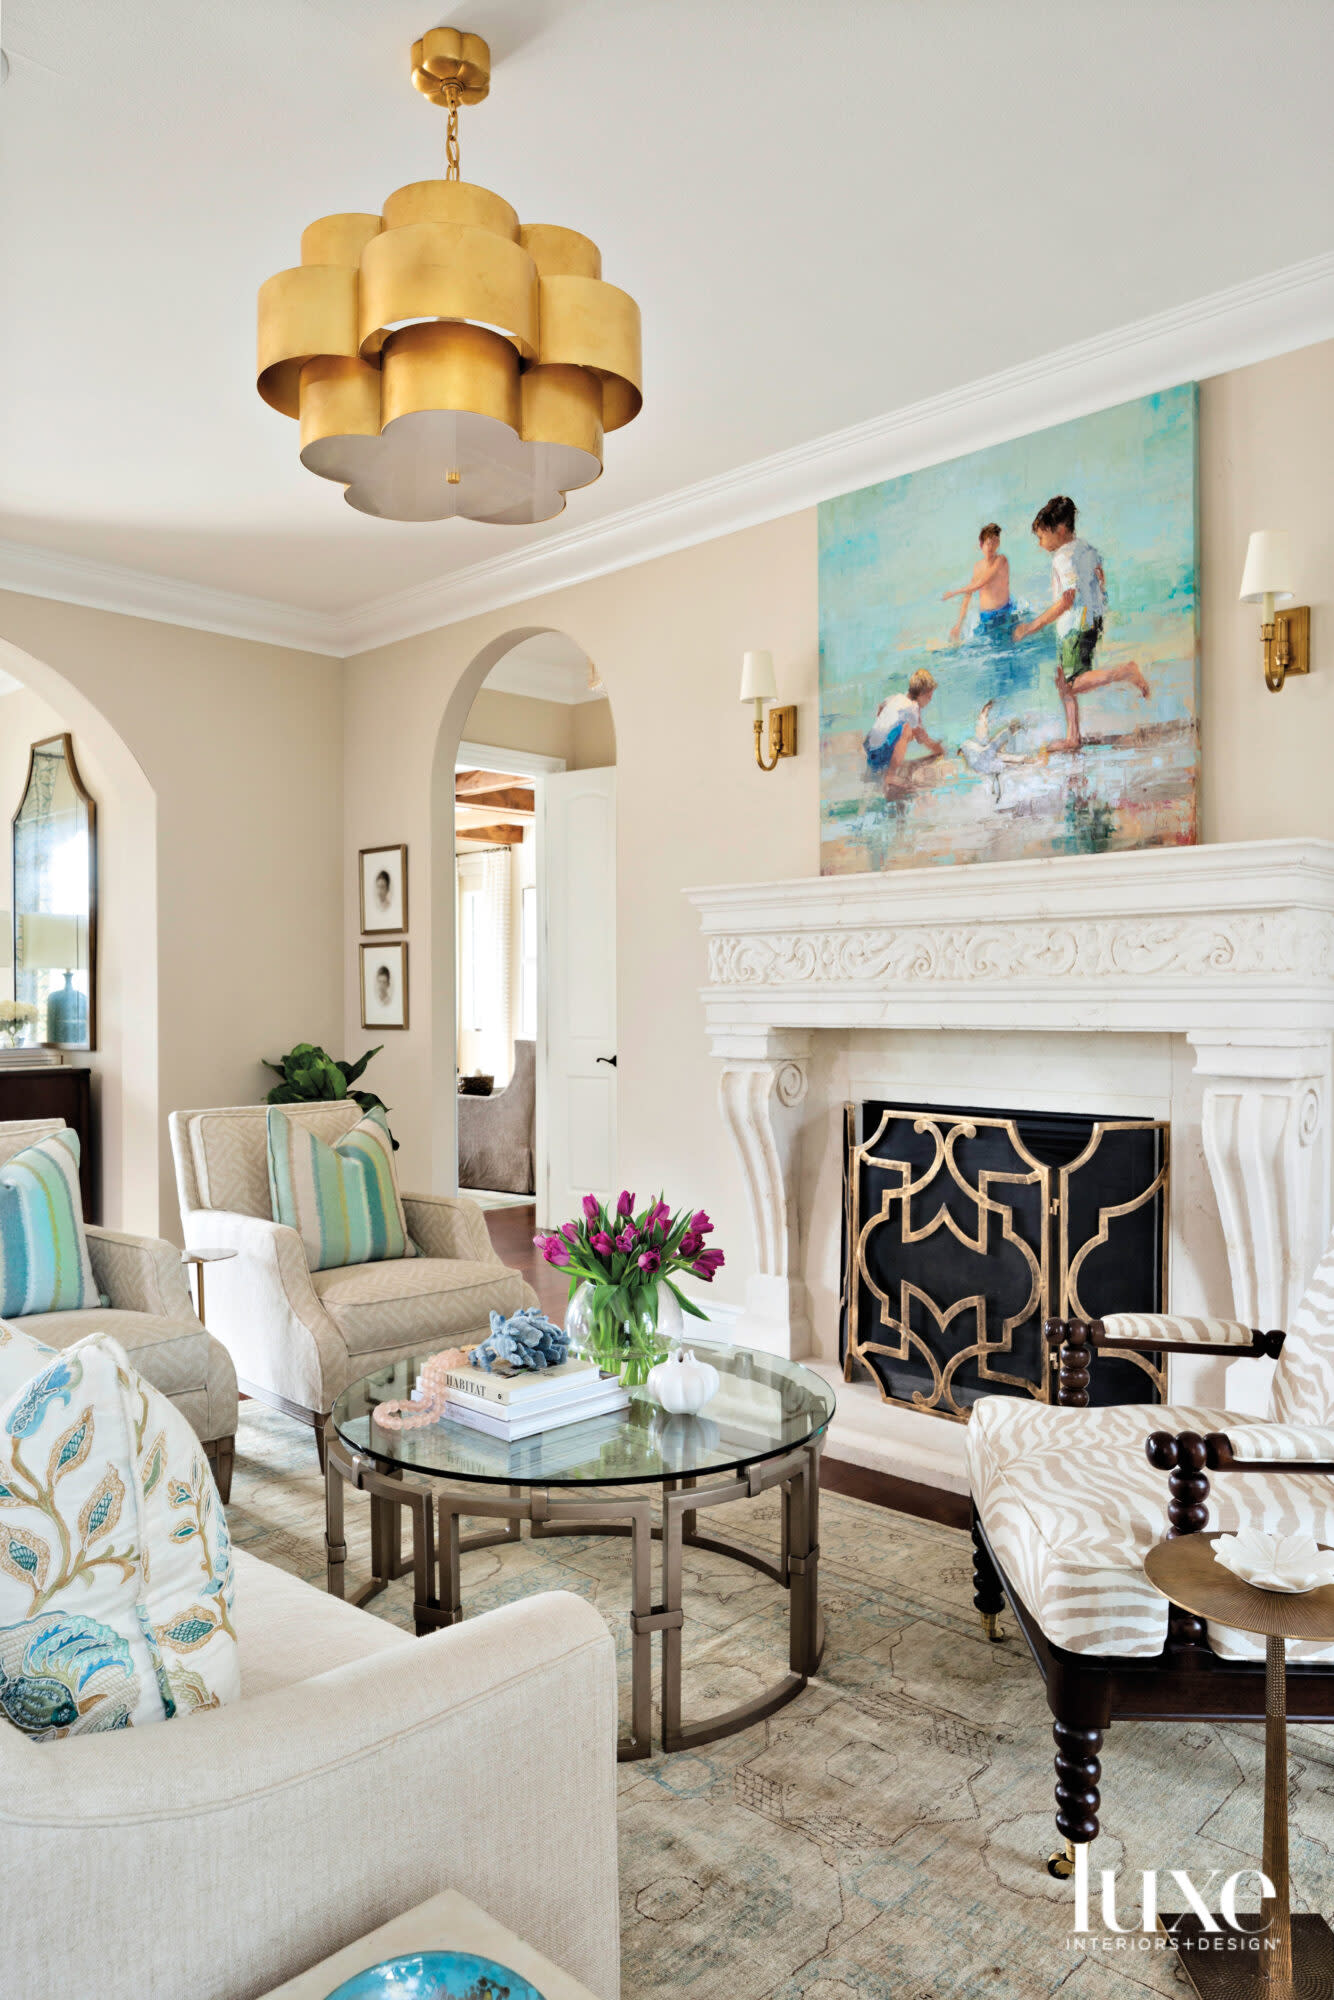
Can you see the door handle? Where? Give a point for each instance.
(608, 1059)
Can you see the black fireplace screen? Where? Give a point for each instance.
(964, 1231)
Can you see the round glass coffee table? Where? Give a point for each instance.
(763, 1429)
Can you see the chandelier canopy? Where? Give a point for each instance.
(444, 358)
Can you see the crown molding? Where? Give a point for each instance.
(1276, 314)
(137, 593)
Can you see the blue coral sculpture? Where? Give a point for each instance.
(526, 1339)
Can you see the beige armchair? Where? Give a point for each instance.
(150, 1315)
(360, 1772)
(298, 1337)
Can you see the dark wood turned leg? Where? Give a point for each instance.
(1077, 1796)
(1183, 1459)
(988, 1597)
(1073, 1365)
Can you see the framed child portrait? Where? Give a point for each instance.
(384, 889)
(384, 985)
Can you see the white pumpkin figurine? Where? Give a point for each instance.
(682, 1384)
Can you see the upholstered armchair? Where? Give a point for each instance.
(298, 1337)
(496, 1132)
(360, 1772)
(151, 1315)
(1068, 1500)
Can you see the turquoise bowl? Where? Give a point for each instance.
(436, 1975)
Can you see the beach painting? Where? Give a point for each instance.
(1009, 649)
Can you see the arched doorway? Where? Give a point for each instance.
(124, 1064)
(523, 926)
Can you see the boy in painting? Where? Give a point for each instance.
(991, 581)
(1078, 604)
(898, 722)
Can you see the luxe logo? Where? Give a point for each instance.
(1234, 1932)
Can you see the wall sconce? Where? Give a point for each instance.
(758, 685)
(1267, 580)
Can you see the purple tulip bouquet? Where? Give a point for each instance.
(616, 1262)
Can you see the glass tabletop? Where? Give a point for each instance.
(764, 1407)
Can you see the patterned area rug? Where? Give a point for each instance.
(883, 1837)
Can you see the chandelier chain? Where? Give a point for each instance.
(452, 134)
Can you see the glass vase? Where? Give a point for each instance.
(623, 1344)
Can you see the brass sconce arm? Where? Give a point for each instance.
(1287, 645)
(782, 735)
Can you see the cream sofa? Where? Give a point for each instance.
(299, 1337)
(360, 1772)
(150, 1315)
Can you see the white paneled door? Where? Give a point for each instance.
(577, 1148)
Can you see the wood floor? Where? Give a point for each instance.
(512, 1233)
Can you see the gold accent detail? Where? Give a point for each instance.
(1287, 645)
(453, 477)
(1071, 1306)
(446, 270)
(596, 326)
(304, 312)
(782, 735)
(562, 406)
(991, 1625)
(459, 202)
(443, 367)
(339, 398)
(1047, 1286)
(449, 61)
(338, 239)
(1062, 1863)
(560, 253)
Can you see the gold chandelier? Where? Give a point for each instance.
(444, 358)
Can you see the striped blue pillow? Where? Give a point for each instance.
(44, 1264)
(343, 1199)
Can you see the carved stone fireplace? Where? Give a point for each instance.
(1194, 985)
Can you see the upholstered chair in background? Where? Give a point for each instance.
(360, 1772)
(150, 1315)
(1068, 1500)
(496, 1133)
(298, 1337)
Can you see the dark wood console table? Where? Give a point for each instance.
(60, 1091)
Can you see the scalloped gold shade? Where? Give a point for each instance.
(442, 358)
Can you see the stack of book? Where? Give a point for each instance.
(530, 1400)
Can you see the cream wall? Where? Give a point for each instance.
(668, 638)
(1267, 461)
(580, 732)
(230, 754)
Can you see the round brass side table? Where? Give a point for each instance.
(1295, 1960)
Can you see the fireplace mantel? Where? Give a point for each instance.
(1230, 945)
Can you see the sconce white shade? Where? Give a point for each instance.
(1268, 571)
(757, 677)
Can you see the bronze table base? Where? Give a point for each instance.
(1294, 1955)
(438, 1595)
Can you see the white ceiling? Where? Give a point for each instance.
(827, 209)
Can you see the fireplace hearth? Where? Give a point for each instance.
(964, 1230)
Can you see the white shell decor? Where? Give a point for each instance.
(682, 1384)
(1293, 1563)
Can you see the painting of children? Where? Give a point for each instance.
(1097, 599)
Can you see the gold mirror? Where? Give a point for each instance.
(55, 898)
